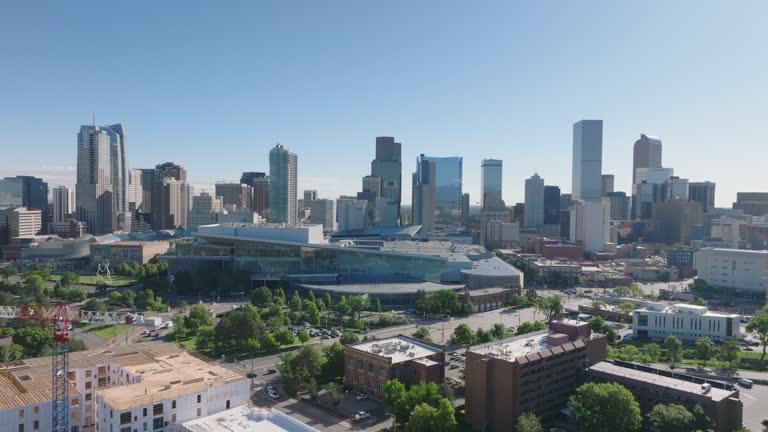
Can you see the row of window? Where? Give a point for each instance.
(361, 366)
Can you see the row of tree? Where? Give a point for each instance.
(423, 407)
(463, 334)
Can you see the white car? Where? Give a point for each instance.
(302, 392)
(361, 396)
(361, 415)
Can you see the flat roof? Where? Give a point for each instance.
(382, 288)
(167, 377)
(247, 418)
(524, 348)
(492, 267)
(714, 393)
(484, 291)
(400, 349)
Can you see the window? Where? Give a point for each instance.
(21, 427)
(227, 403)
(360, 364)
(199, 412)
(199, 398)
(21, 413)
(88, 396)
(350, 362)
(88, 385)
(157, 409)
(382, 372)
(36, 425)
(88, 374)
(125, 417)
(37, 410)
(75, 403)
(157, 423)
(173, 404)
(144, 427)
(173, 418)
(145, 412)
(370, 368)
(71, 376)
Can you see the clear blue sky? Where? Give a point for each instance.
(214, 87)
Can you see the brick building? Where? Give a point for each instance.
(535, 372)
(489, 298)
(369, 365)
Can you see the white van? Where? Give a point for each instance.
(745, 382)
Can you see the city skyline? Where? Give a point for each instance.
(518, 111)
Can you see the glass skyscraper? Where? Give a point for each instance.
(448, 184)
(490, 173)
(587, 160)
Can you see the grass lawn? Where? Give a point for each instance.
(189, 344)
(105, 331)
(117, 281)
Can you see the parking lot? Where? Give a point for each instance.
(755, 406)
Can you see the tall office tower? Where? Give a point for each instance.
(607, 181)
(647, 154)
(119, 161)
(587, 160)
(448, 184)
(309, 196)
(27, 191)
(676, 189)
(283, 167)
(551, 205)
(518, 213)
(205, 208)
(248, 177)
(534, 201)
(590, 224)
(423, 206)
(260, 183)
(63, 203)
(388, 165)
(650, 188)
(372, 185)
(323, 212)
(464, 206)
(135, 190)
(235, 194)
(19, 222)
(352, 213)
(170, 197)
(566, 200)
(702, 193)
(94, 195)
(147, 186)
(620, 205)
(490, 178)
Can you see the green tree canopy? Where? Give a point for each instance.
(759, 327)
(674, 349)
(551, 307)
(300, 367)
(422, 333)
(463, 335)
(528, 422)
(239, 324)
(669, 418)
(68, 279)
(198, 317)
(34, 340)
(261, 297)
(94, 305)
(605, 407)
(704, 348)
(499, 331)
(349, 338)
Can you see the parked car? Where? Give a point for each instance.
(747, 383)
(325, 336)
(302, 392)
(271, 371)
(273, 394)
(748, 348)
(361, 396)
(361, 415)
(251, 375)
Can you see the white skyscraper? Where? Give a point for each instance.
(352, 214)
(283, 167)
(63, 203)
(590, 224)
(135, 189)
(534, 201)
(587, 160)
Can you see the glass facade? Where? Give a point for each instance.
(448, 184)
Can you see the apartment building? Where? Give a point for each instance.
(535, 372)
(369, 365)
(25, 402)
(684, 321)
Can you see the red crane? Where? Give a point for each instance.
(62, 316)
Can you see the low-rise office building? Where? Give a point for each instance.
(369, 365)
(535, 372)
(742, 270)
(684, 321)
(654, 386)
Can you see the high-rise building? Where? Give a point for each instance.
(464, 206)
(551, 205)
(502, 235)
(490, 177)
(647, 154)
(372, 185)
(388, 166)
(19, 222)
(676, 188)
(283, 169)
(205, 208)
(534, 201)
(448, 184)
(486, 229)
(607, 184)
(26, 191)
(309, 196)
(249, 177)
(260, 184)
(119, 161)
(702, 193)
(170, 196)
(147, 187)
(590, 224)
(620, 205)
(235, 195)
(587, 160)
(752, 203)
(566, 200)
(323, 212)
(673, 220)
(650, 187)
(135, 189)
(63, 203)
(94, 195)
(352, 213)
(423, 206)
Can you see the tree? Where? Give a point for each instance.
(34, 287)
(759, 327)
(333, 393)
(268, 342)
(632, 290)
(377, 305)
(348, 338)
(700, 302)
(426, 418)
(483, 336)
(312, 313)
(328, 302)
(531, 295)
(295, 303)
(729, 352)
(463, 335)
(239, 324)
(499, 331)
(261, 297)
(127, 298)
(95, 305)
(528, 422)
(76, 345)
(11, 352)
(280, 297)
(700, 286)
(550, 307)
(705, 349)
(303, 337)
(8, 271)
(674, 349)
(652, 351)
(700, 420)
(300, 367)
(68, 279)
(115, 299)
(342, 308)
(528, 327)
(423, 334)
(334, 361)
(311, 296)
(198, 317)
(627, 307)
(597, 323)
(394, 396)
(180, 329)
(605, 407)
(669, 418)
(358, 303)
(146, 300)
(33, 340)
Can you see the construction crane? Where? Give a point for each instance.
(61, 316)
